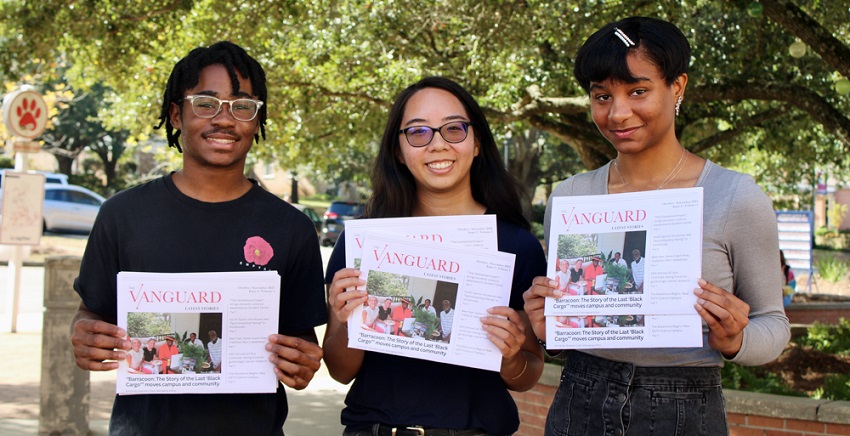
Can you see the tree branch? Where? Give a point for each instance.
(801, 24)
(740, 128)
(803, 98)
(329, 93)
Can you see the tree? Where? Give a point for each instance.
(74, 127)
(78, 125)
(109, 149)
(146, 324)
(334, 66)
(387, 284)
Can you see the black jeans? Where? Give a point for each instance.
(602, 397)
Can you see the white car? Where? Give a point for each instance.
(70, 207)
(58, 178)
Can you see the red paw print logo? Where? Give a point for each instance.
(25, 113)
(28, 112)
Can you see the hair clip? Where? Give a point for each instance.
(623, 37)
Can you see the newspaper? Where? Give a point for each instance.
(646, 298)
(471, 231)
(241, 308)
(461, 282)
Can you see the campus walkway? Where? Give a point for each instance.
(313, 411)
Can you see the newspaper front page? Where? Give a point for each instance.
(435, 295)
(627, 265)
(237, 310)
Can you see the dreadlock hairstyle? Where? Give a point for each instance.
(185, 75)
(393, 185)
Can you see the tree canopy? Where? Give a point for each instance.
(334, 67)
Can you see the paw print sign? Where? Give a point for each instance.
(25, 113)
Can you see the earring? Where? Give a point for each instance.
(678, 104)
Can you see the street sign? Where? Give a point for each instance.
(22, 203)
(25, 113)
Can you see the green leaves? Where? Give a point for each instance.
(334, 66)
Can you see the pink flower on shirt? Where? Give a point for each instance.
(258, 251)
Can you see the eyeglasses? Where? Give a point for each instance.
(420, 136)
(207, 106)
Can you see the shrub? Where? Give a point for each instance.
(835, 214)
(537, 230)
(827, 338)
(831, 269)
(754, 379)
(835, 387)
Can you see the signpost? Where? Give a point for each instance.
(25, 116)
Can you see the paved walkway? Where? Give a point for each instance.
(312, 411)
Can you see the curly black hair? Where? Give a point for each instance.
(186, 72)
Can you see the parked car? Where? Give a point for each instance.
(317, 222)
(48, 177)
(334, 219)
(70, 207)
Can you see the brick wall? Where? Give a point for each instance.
(748, 413)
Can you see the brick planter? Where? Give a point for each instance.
(748, 413)
(825, 313)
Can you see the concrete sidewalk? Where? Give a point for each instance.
(315, 410)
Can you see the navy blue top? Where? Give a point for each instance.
(402, 391)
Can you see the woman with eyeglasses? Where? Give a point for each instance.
(635, 72)
(438, 157)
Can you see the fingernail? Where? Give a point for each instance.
(552, 283)
(701, 282)
(698, 291)
(558, 294)
(701, 302)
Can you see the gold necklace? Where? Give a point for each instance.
(680, 165)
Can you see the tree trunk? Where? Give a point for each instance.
(65, 164)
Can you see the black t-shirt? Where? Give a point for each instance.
(575, 274)
(403, 391)
(155, 228)
(149, 354)
(384, 314)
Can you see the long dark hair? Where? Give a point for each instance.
(186, 74)
(394, 188)
(603, 55)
